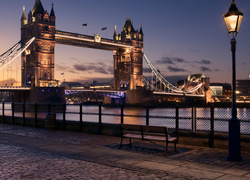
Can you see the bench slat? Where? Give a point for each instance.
(171, 139)
(138, 136)
(159, 138)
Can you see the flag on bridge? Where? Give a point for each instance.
(84, 24)
(105, 28)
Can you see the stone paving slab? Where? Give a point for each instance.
(231, 177)
(234, 171)
(197, 173)
(156, 166)
(41, 154)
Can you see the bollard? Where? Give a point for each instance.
(50, 121)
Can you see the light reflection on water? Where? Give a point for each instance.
(158, 116)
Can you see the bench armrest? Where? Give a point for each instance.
(172, 132)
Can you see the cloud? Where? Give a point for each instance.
(170, 60)
(203, 61)
(99, 67)
(165, 60)
(179, 60)
(202, 68)
(72, 71)
(60, 67)
(74, 58)
(174, 69)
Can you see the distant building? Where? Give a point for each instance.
(70, 85)
(243, 90)
(221, 91)
(97, 85)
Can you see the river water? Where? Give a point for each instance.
(188, 118)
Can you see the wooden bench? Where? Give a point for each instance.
(147, 133)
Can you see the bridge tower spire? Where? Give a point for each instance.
(128, 63)
(38, 59)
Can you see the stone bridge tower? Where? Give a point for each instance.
(38, 59)
(128, 63)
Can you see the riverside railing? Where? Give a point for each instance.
(209, 119)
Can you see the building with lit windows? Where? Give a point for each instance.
(221, 91)
(243, 90)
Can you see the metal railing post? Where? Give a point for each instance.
(211, 134)
(23, 114)
(147, 115)
(100, 118)
(64, 116)
(122, 114)
(194, 119)
(36, 122)
(81, 117)
(13, 113)
(3, 120)
(177, 121)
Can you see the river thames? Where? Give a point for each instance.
(189, 118)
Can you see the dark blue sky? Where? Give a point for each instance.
(181, 37)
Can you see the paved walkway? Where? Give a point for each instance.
(32, 153)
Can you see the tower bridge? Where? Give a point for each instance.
(38, 60)
(39, 37)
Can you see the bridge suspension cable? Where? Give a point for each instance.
(151, 85)
(159, 76)
(15, 51)
(166, 83)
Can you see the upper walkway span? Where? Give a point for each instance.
(74, 39)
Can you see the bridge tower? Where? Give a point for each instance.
(38, 59)
(128, 63)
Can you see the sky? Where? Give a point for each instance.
(180, 37)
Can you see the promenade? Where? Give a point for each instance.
(34, 153)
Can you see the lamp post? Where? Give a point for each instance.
(233, 20)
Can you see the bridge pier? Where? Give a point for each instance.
(139, 97)
(109, 100)
(47, 95)
(40, 95)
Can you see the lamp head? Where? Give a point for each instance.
(233, 19)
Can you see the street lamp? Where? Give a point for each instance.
(233, 20)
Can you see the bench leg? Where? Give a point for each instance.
(130, 144)
(166, 146)
(121, 143)
(175, 146)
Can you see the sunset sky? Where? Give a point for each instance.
(180, 37)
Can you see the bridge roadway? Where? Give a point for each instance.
(74, 39)
(119, 93)
(124, 92)
(14, 88)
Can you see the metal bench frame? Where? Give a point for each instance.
(147, 133)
